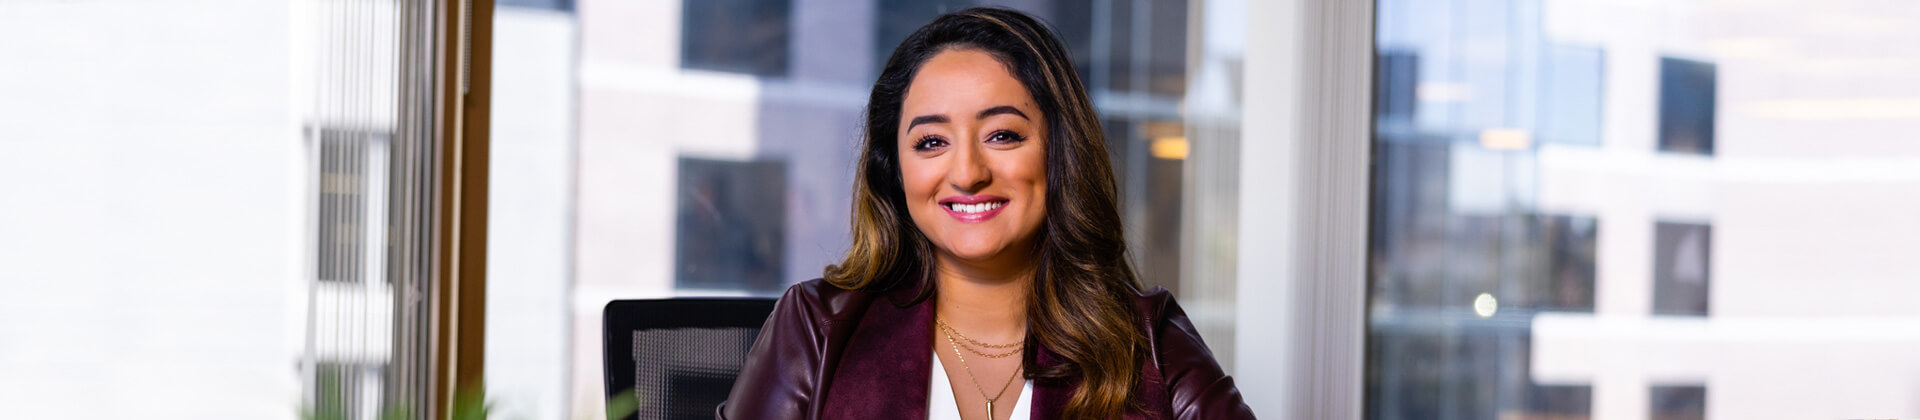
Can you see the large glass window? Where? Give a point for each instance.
(705, 148)
(1667, 210)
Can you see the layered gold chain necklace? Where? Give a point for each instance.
(950, 332)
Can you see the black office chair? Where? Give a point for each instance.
(677, 357)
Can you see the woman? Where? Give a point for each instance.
(988, 276)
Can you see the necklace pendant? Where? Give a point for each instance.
(989, 409)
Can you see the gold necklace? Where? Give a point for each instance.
(976, 381)
(943, 324)
(950, 331)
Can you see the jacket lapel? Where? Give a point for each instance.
(1049, 397)
(887, 365)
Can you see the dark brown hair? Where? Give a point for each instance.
(1079, 307)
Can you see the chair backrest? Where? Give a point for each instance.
(677, 357)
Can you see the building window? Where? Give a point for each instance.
(1687, 102)
(1683, 402)
(1570, 246)
(731, 232)
(740, 36)
(1682, 266)
(1396, 77)
(893, 20)
(1558, 402)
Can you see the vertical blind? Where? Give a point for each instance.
(373, 179)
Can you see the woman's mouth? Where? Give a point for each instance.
(973, 209)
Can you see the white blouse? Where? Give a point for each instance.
(941, 406)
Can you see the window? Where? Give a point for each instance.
(1678, 402)
(1558, 402)
(1626, 214)
(1142, 62)
(731, 233)
(1565, 282)
(740, 36)
(895, 19)
(1687, 105)
(1682, 263)
(1397, 73)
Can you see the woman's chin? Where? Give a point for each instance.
(977, 251)
(972, 255)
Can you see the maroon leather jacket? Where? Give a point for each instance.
(829, 353)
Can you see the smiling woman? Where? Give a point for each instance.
(987, 244)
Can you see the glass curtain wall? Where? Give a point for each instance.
(1644, 210)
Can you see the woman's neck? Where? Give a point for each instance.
(988, 305)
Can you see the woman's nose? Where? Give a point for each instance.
(969, 171)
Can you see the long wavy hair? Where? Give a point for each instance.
(1079, 307)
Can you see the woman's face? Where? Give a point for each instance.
(972, 158)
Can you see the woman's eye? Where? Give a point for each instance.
(929, 143)
(1004, 136)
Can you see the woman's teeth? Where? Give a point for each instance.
(976, 208)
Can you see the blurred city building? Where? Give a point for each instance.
(1682, 209)
(1580, 208)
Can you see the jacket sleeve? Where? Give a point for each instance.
(1197, 386)
(778, 379)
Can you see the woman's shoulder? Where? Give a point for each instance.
(1196, 387)
(823, 301)
(1154, 304)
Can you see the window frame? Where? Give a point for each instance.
(1304, 206)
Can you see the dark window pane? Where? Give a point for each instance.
(1682, 264)
(1566, 280)
(1410, 222)
(1678, 402)
(743, 36)
(1557, 402)
(1687, 103)
(731, 233)
(1073, 21)
(1167, 51)
(1396, 75)
(1116, 71)
(895, 19)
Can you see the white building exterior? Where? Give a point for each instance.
(1811, 194)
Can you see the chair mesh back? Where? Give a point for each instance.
(683, 373)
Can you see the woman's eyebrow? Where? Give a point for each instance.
(1003, 109)
(942, 118)
(927, 119)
